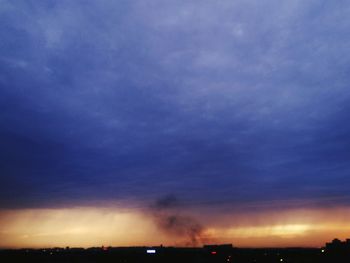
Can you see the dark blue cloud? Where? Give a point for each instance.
(231, 102)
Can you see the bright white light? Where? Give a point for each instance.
(151, 251)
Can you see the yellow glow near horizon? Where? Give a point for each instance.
(85, 227)
(284, 231)
(73, 227)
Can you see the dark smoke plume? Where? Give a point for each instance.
(166, 212)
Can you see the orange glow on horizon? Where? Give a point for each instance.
(86, 227)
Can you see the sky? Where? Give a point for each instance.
(228, 117)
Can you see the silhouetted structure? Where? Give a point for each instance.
(337, 251)
(337, 244)
(218, 247)
(333, 252)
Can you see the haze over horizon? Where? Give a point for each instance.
(174, 122)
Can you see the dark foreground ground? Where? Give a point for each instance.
(168, 254)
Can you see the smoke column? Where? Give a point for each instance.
(166, 212)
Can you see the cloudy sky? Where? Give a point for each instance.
(234, 109)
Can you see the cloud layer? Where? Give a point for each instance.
(230, 103)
